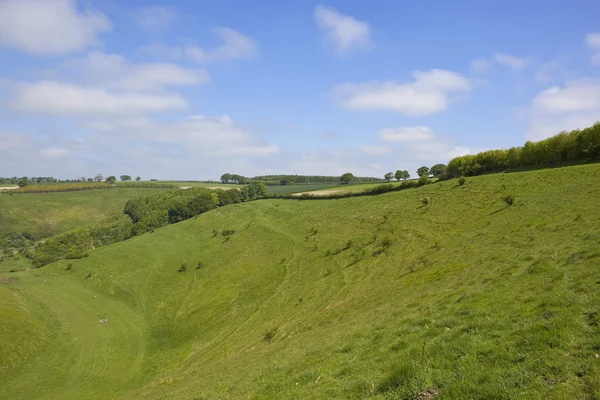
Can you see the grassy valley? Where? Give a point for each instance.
(446, 290)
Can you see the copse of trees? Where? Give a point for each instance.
(401, 174)
(233, 178)
(388, 177)
(437, 170)
(125, 178)
(423, 171)
(566, 147)
(347, 177)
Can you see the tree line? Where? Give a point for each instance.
(566, 147)
(41, 180)
(274, 180)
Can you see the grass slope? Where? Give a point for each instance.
(67, 210)
(376, 297)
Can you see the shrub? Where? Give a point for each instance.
(200, 265)
(423, 180)
(227, 232)
(509, 200)
(461, 181)
(425, 200)
(69, 267)
(269, 335)
(182, 268)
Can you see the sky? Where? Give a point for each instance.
(191, 89)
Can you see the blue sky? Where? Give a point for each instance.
(190, 90)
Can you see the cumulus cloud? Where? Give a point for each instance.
(66, 99)
(155, 18)
(406, 134)
(429, 93)
(49, 27)
(343, 31)
(513, 62)
(114, 71)
(419, 144)
(574, 105)
(196, 147)
(593, 42)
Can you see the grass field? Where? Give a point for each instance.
(300, 187)
(223, 186)
(368, 297)
(66, 210)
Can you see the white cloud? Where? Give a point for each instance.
(345, 32)
(65, 99)
(114, 71)
(575, 105)
(155, 18)
(49, 27)
(593, 42)
(235, 46)
(480, 65)
(513, 62)
(406, 134)
(429, 93)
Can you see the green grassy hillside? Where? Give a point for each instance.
(366, 297)
(66, 210)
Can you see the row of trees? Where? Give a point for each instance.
(27, 181)
(435, 171)
(284, 179)
(566, 147)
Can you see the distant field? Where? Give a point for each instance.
(300, 187)
(67, 210)
(202, 184)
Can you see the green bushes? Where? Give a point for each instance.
(182, 268)
(566, 147)
(509, 200)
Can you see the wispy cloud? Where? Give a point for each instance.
(343, 31)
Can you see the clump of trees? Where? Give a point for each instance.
(566, 147)
(347, 177)
(402, 174)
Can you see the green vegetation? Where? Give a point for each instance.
(300, 187)
(51, 213)
(364, 297)
(577, 146)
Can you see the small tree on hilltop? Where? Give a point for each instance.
(389, 176)
(139, 178)
(225, 178)
(125, 178)
(111, 179)
(347, 178)
(423, 171)
(437, 170)
(399, 175)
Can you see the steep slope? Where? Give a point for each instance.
(380, 297)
